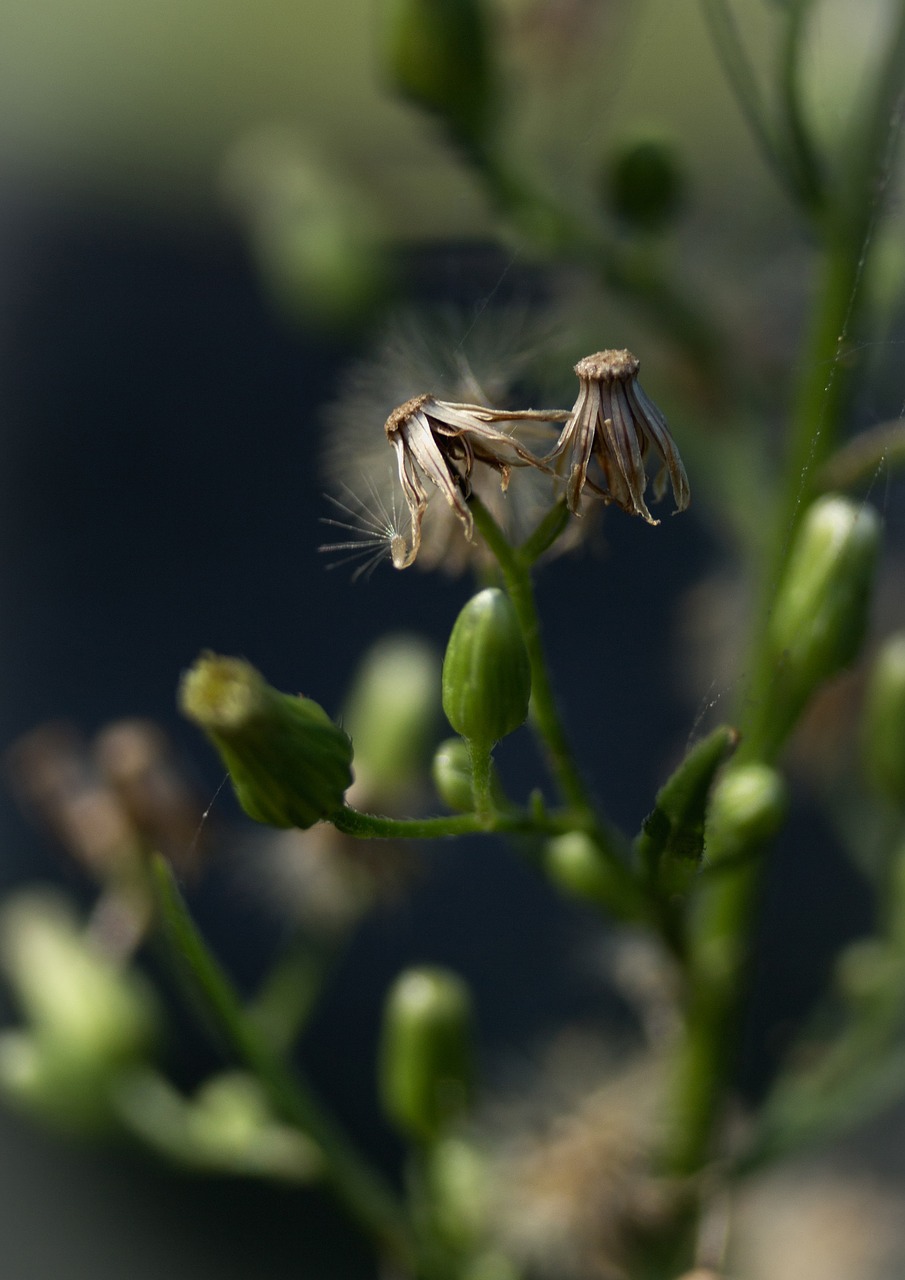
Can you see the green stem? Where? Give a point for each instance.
(359, 1186)
(742, 82)
(805, 169)
(482, 780)
(289, 993)
(543, 704)
(717, 986)
(374, 826)
(717, 968)
(516, 571)
(668, 306)
(824, 391)
(545, 534)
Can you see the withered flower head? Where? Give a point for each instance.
(614, 422)
(439, 441)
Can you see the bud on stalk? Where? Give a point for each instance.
(747, 807)
(486, 671)
(821, 609)
(426, 1069)
(289, 764)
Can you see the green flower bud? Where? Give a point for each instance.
(747, 808)
(486, 671)
(645, 185)
(575, 864)
(390, 714)
(437, 54)
(671, 844)
(288, 762)
(883, 730)
(452, 774)
(821, 608)
(426, 1069)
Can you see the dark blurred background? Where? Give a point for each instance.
(161, 491)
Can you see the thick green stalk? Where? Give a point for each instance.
(358, 1186)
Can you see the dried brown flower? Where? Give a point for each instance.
(616, 424)
(440, 442)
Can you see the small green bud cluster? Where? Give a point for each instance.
(670, 847)
(289, 764)
(426, 1058)
(87, 1018)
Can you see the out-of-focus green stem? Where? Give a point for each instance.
(824, 389)
(806, 172)
(667, 306)
(481, 780)
(359, 1187)
(717, 987)
(742, 81)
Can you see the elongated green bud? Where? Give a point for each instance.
(426, 1067)
(883, 730)
(670, 846)
(821, 609)
(747, 808)
(486, 671)
(289, 764)
(437, 54)
(391, 714)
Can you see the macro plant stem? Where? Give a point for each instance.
(544, 714)
(828, 364)
(375, 826)
(706, 1057)
(481, 781)
(516, 570)
(361, 1189)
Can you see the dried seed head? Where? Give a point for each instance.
(615, 424)
(608, 366)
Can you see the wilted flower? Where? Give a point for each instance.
(439, 441)
(503, 355)
(615, 422)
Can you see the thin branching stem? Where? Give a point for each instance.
(742, 81)
(363, 1191)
